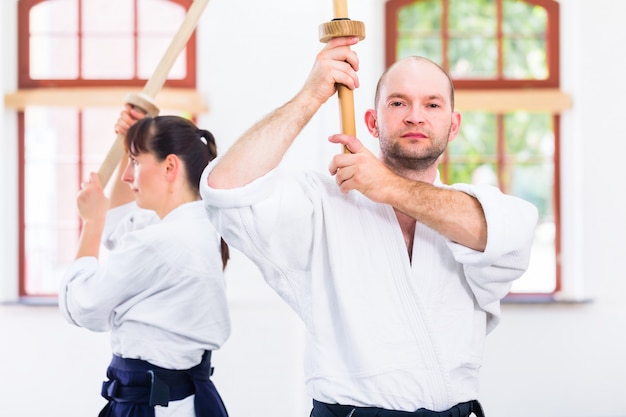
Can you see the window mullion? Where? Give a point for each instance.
(135, 40)
(499, 41)
(501, 164)
(80, 42)
(445, 34)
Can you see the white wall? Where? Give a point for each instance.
(564, 360)
(8, 155)
(569, 360)
(263, 57)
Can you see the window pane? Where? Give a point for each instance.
(51, 178)
(539, 277)
(108, 17)
(473, 58)
(472, 18)
(472, 154)
(419, 30)
(54, 40)
(108, 34)
(472, 49)
(157, 26)
(165, 19)
(524, 44)
(419, 17)
(59, 16)
(523, 19)
(530, 151)
(525, 59)
(530, 156)
(98, 136)
(107, 58)
(476, 137)
(151, 50)
(53, 57)
(430, 48)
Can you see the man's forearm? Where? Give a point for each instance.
(454, 214)
(261, 148)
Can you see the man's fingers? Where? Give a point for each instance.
(350, 142)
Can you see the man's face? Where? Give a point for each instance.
(414, 119)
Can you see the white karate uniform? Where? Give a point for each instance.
(160, 291)
(382, 331)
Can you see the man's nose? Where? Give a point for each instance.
(414, 115)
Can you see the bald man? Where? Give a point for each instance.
(397, 277)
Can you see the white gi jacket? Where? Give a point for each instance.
(382, 331)
(160, 290)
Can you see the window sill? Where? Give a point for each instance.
(542, 298)
(504, 100)
(42, 300)
(184, 99)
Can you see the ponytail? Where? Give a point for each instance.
(209, 140)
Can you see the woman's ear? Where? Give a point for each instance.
(172, 166)
(371, 122)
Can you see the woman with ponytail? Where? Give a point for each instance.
(160, 291)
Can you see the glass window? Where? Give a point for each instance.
(524, 41)
(54, 165)
(495, 44)
(79, 43)
(96, 41)
(500, 42)
(53, 40)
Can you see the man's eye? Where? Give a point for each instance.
(395, 104)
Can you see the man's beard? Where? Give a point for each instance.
(401, 159)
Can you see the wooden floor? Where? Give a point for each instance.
(47, 363)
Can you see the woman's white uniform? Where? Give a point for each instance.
(160, 291)
(384, 331)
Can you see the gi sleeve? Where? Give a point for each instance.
(90, 293)
(271, 220)
(511, 224)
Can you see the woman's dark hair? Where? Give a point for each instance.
(173, 135)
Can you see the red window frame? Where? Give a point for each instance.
(552, 37)
(26, 82)
(552, 45)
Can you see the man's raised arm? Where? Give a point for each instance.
(261, 148)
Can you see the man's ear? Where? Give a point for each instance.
(371, 122)
(455, 125)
